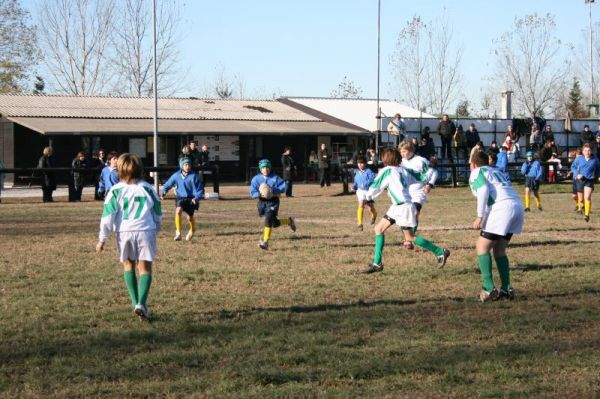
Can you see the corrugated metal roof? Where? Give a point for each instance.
(142, 108)
(58, 126)
(359, 112)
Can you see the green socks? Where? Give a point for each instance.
(502, 264)
(485, 265)
(131, 283)
(144, 287)
(379, 243)
(428, 245)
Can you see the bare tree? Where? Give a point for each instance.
(583, 68)
(133, 49)
(445, 80)
(346, 89)
(530, 62)
(409, 62)
(75, 35)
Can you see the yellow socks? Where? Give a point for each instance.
(192, 225)
(373, 214)
(359, 214)
(588, 207)
(178, 222)
(266, 234)
(538, 201)
(527, 201)
(285, 221)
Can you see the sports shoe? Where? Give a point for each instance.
(580, 211)
(372, 221)
(540, 208)
(408, 245)
(360, 227)
(142, 312)
(441, 260)
(527, 209)
(373, 268)
(263, 245)
(177, 236)
(293, 224)
(507, 294)
(586, 218)
(189, 235)
(485, 296)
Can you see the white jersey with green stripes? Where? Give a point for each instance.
(395, 181)
(130, 207)
(491, 186)
(420, 173)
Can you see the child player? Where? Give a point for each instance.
(266, 187)
(108, 176)
(586, 169)
(189, 192)
(532, 170)
(363, 177)
(133, 210)
(499, 216)
(402, 212)
(421, 180)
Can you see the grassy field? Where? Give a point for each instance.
(299, 320)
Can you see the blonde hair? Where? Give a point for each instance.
(391, 157)
(129, 168)
(47, 151)
(407, 145)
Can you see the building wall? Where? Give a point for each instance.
(6, 148)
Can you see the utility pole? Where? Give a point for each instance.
(593, 106)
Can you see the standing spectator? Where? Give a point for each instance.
(204, 155)
(535, 139)
(587, 137)
(289, 169)
(472, 137)
(78, 177)
(372, 157)
(102, 156)
(595, 145)
(185, 152)
(459, 141)
(313, 165)
(48, 178)
(1, 179)
(96, 164)
(513, 152)
(397, 128)
(426, 147)
(194, 156)
(446, 129)
(548, 134)
(324, 166)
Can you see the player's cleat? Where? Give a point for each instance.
(189, 235)
(372, 221)
(177, 236)
(580, 211)
(293, 224)
(360, 227)
(441, 260)
(485, 296)
(586, 218)
(507, 294)
(263, 245)
(373, 268)
(540, 208)
(142, 312)
(408, 245)
(527, 209)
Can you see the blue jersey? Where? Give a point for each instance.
(532, 169)
(589, 168)
(502, 162)
(363, 179)
(275, 182)
(187, 186)
(108, 178)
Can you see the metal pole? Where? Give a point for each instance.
(154, 90)
(378, 73)
(591, 53)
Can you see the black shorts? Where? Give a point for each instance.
(268, 206)
(580, 184)
(186, 205)
(532, 184)
(495, 237)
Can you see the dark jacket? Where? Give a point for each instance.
(204, 159)
(48, 178)
(288, 167)
(324, 159)
(196, 158)
(472, 138)
(78, 176)
(446, 128)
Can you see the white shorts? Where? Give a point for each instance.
(362, 195)
(505, 217)
(137, 245)
(405, 215)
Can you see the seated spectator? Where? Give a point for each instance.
(536, 137)
(514, 136)
(513, 152)
(494, 147)
(478, 147)
(549, 148)
(554, 167)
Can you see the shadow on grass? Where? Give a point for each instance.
(530, 267)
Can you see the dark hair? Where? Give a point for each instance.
(287, 148)
(480, 158)
(361, 159)
(493, 156)
(111, 155)
(391, 157)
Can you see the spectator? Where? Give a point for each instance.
(426, 147)
(313, 165)
(397, 128)
(459, 141)
(554, 167)
(102, 156)
(96, 164)
(472, 137)
(194, 155)
(494, 147)
(513, 152)
(587, 137)
(289, 169)
(595, 145)
(446, 129)
(48, 178)
(548, 134)
(185, 151)
(324, 166)
(510, 132)
(549, 148)
(78, 177)
(477, 147)
(204, 155)
(372, 157)
(535, 139)
(415, 142)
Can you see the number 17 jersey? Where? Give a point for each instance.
(130, 207)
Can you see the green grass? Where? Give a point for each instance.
(298, 321)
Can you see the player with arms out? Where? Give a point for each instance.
(363, 177)
(133, 211)
(500, 214)
(266, 186)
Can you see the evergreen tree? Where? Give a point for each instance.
(574, 105)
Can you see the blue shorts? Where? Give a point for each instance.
(186, 205)
(532, 184)
(580, 184)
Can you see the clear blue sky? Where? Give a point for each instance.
(306, 47)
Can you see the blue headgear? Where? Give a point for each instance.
(183, 161)
(264, 163)
(530, 154)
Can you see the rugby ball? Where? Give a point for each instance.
(265, 191)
